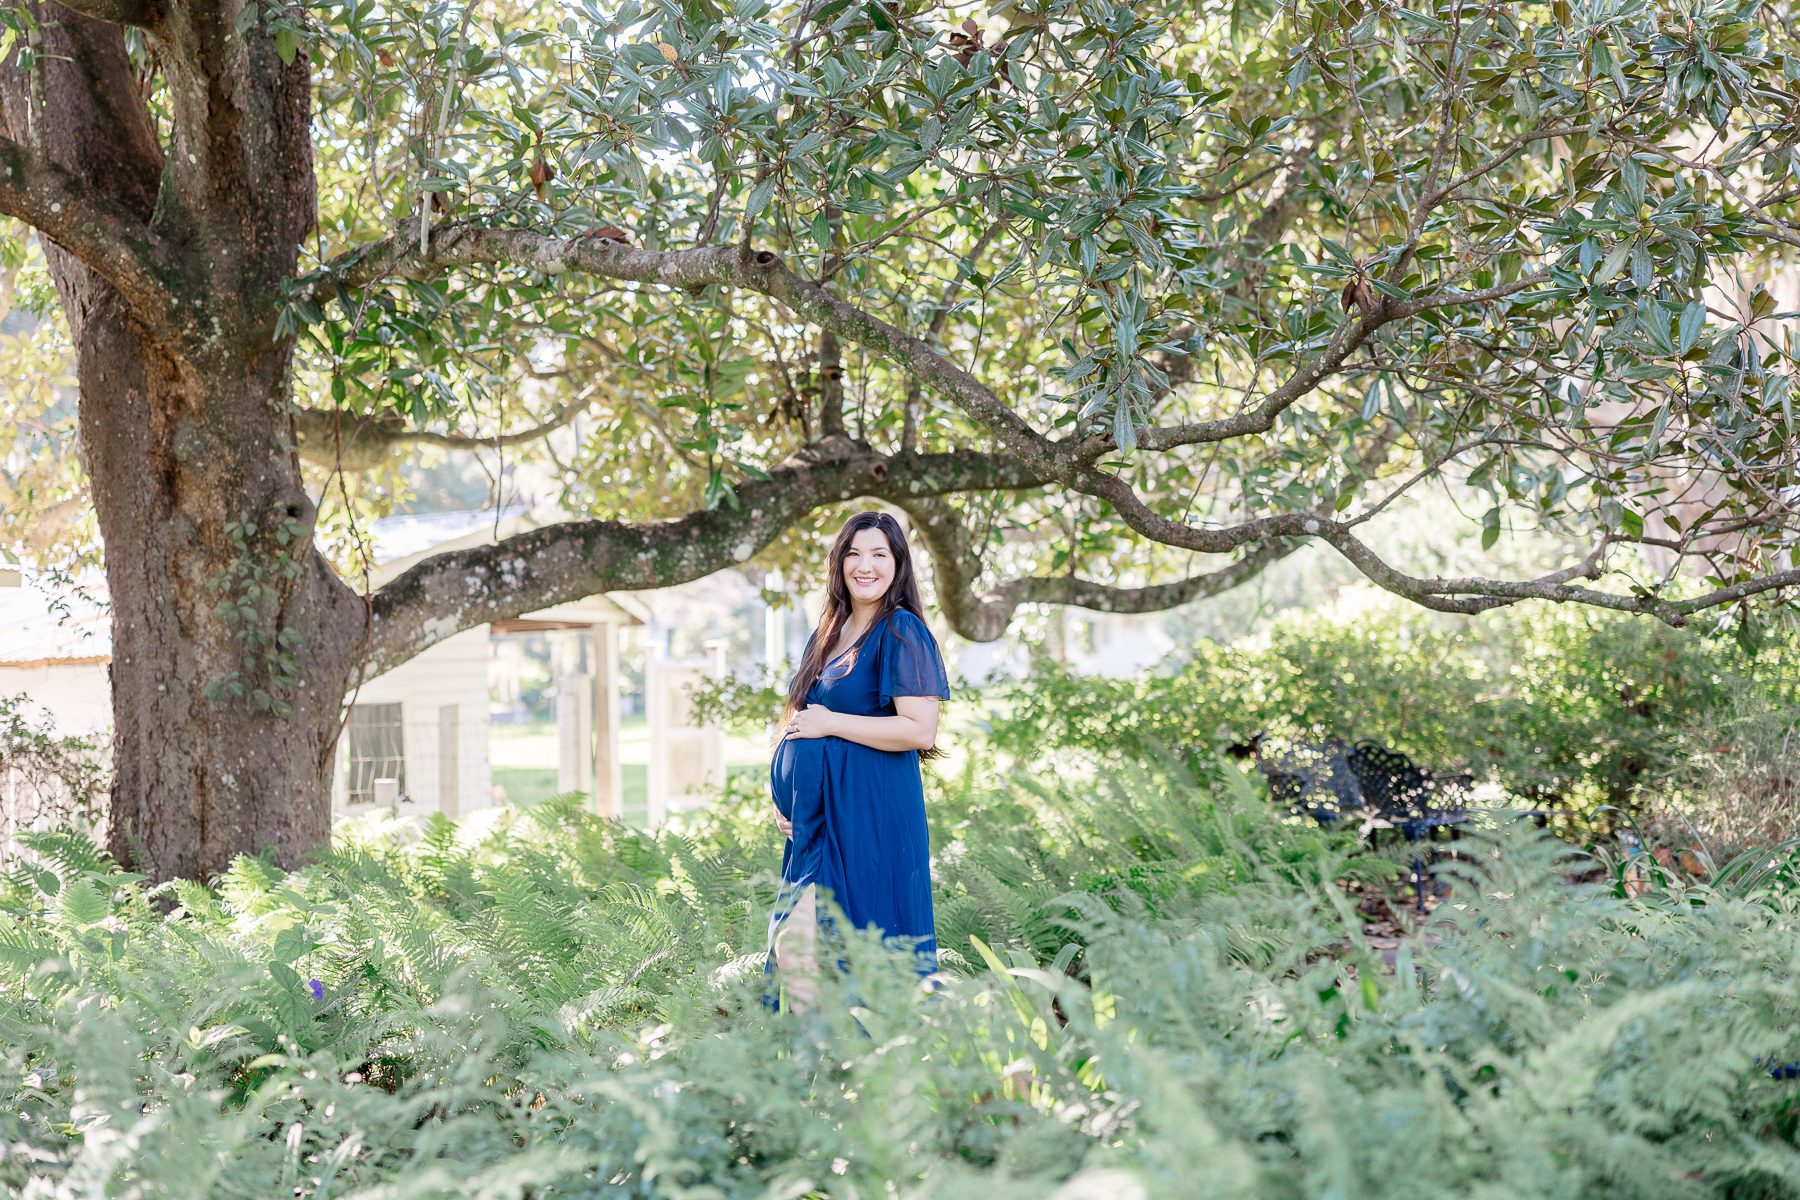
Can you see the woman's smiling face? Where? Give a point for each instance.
(868, 566)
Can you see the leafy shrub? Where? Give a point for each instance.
(555, 1006)
(46, 779)
(1738, 779)
(1731, 816)
(1560, 708)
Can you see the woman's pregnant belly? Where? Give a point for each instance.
(795, 770)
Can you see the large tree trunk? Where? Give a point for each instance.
(233, 642)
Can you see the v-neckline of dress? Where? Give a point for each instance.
(860, 639)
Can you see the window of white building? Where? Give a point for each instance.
(377, 750)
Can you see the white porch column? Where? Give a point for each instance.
(657, 716)
(687, 760)
(575, 733)
(609, 788)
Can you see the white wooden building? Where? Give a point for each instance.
(424, 725)
(54, 649)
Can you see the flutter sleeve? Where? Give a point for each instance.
(910, 664)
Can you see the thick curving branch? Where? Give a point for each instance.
(469, 243)
(984, 616)
(104, 235)
(460, 589)
(1469, 595)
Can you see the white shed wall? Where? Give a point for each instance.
(78, 695)
(455, 671)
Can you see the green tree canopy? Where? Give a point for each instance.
(1220, 275)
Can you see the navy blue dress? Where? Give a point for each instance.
(858, 813)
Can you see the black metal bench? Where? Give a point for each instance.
(1413, 799)
(1331, 780)
(1313, 780)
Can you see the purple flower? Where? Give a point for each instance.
(318, 989)
(1778, 1069)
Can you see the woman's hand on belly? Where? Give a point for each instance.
(813, 721)
(782, 823)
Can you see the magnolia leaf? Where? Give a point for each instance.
(1613, 263)
(760, 196)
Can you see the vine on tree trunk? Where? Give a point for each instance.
(251, 593)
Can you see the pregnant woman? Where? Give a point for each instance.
(860, 712)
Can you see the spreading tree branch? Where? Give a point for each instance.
(984, 616)
(358, 443)
(460, 589)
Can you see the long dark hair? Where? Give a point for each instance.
(903, 592)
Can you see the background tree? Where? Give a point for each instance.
(1180, 279)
